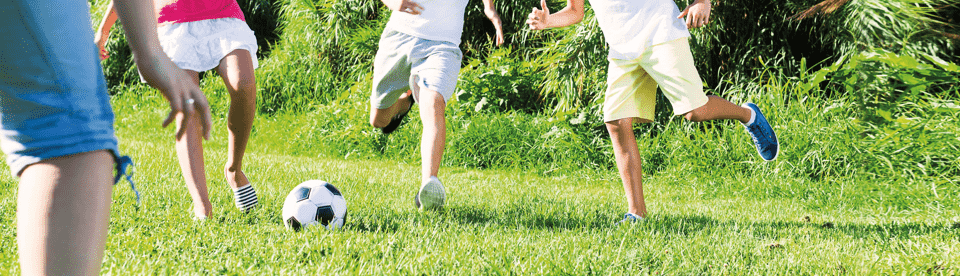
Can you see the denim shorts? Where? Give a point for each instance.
(407, 62)
(53, 97)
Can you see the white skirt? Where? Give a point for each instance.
(200, 45)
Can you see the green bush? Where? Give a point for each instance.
(500, 83)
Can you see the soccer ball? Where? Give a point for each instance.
(314, 202)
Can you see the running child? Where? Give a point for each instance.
(57, 125)
(419, 51)
(200, 35)
(649, 47)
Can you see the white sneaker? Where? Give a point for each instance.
(431, 195)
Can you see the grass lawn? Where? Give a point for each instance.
(510, 221)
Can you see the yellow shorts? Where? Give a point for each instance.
(632, 84)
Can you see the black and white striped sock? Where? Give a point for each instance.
(245, 197)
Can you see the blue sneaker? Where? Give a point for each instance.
(630, 218)
(762, 134)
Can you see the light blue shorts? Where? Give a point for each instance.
(405, 62)
(53, 98)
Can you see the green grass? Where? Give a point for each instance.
(740, 217)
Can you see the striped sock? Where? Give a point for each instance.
(245, 197)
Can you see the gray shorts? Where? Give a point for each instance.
(406, 62)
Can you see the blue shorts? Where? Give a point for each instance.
(407, 62)
(53, 97)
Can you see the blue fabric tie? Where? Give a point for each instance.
(124, 163)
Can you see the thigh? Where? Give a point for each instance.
(237, 71)
(436, 67)
(391, 70)
(671, 65)
(631, 92)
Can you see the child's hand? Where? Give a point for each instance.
(538, 19)
(186, 99)
(495, 18)
(407, 6)
(102, 44)
(698, 14)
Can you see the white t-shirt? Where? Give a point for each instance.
(441, 20)
(631, 26)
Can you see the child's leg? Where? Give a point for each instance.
(628, 163)
(380, 118)
(236, 69)
(434, 137)
(190, 153)
(718, 108)
(63, 209)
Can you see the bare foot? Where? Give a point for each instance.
(202, 209)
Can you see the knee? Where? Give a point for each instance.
(247, 88)
(694, 116)
(376, 123)
(618, 126)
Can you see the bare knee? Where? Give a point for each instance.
(694, 116)
(244, 89)
(377, 123)
(619, 126)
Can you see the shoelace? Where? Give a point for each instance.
(755, 128)
(123, 164)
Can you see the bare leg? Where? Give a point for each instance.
(63, 208)
(434, 135)
(628, 163)
(719, 108)
(380, 118)
(236, 69)
(190, 153)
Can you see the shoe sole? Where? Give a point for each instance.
(431, 196)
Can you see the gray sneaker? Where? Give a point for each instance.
(431, 196)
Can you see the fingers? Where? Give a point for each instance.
(203, 108)
(499, 37)
(543, 4)
(176, 106)
(188, 110)
(535, 20)
(411, 7)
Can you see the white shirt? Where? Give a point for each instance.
(632, 26)
(441, 20)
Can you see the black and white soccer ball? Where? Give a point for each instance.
(314, 202)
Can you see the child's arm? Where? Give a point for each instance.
(103, 33)
(698, 14)
(494, 17)
(542, 19)
(186, 99)
(407, 6)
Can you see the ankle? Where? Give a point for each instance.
(235, 177)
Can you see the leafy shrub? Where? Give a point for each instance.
(501, 83)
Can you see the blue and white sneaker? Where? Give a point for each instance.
(630, 218)
(762, 134)
(431, 195)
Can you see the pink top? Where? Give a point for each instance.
(182, 11)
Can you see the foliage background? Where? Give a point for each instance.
(857, 88)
